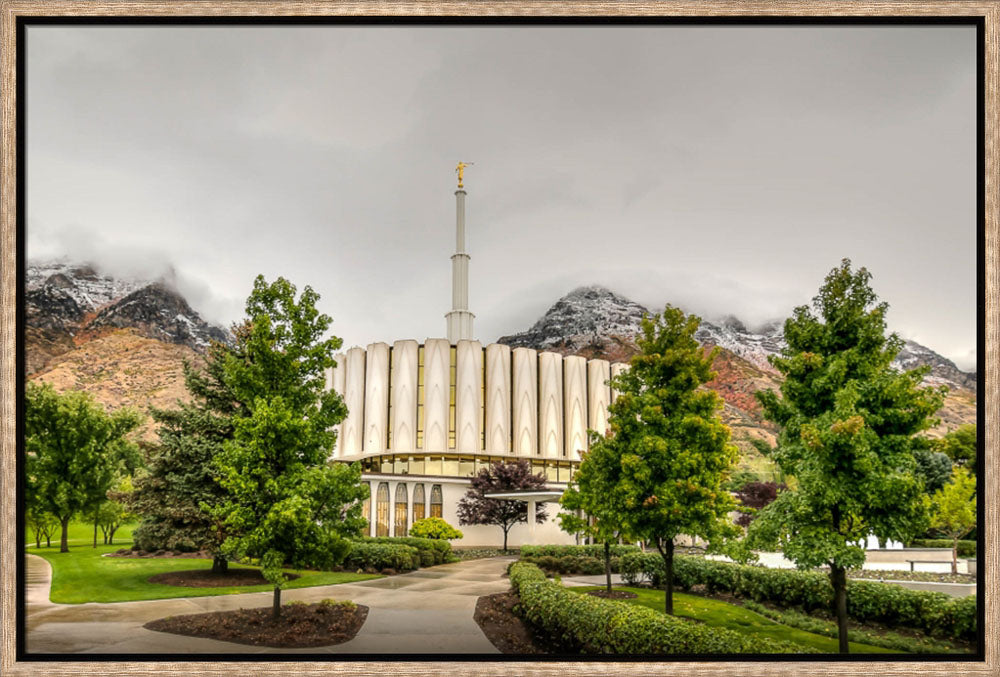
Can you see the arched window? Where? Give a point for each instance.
(399, 528)
(437, 504)
(382, 510)
(418, 502)
(366, 508)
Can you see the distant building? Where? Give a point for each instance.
(425, 417)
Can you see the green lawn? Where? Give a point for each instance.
(83, 575)
(723, 615)
(81, 533)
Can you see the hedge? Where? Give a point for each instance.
(569, 564)
(591, 625)
(933, 612)
(575, 550)
(965, 548)
(368, 555)
(439, 550)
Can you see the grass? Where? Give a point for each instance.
(723, 615)
(83, 575)
(82, 534)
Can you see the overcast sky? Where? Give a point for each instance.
(725, 169)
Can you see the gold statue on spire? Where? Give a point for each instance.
(461, 168)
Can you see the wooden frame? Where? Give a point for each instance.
(10, 549)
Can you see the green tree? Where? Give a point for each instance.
(933, 467)
(73, 450)
(435, 528)
(586, 502)
(286, 504)
(953, 509)
(848, 431)
(666, 457)
(960, 445)
(181, 477)
(114, 512)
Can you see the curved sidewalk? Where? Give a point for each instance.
(428, 611)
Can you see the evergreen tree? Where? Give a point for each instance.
(475, 508)
(286, 505)
(74, 448)
(667, 455)
(848, 422)
(181, 480)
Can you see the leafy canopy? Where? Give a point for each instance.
(960, 445)
(285, 504)
(662, 467)
(475, 508)
(74, 450)
(434, 527)
(953, 509)
(848, 423)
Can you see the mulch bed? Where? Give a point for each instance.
(206, 578)
(614, 594)
(299, 626)
(505, 629)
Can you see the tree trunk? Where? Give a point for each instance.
(505, 541)
(95, 528)
(838, 576)
(666, 548)
(38, 538)
(111, 534)
(607, 563)
(64, 539)
(276, 607)
(954, 556)
(220, 564)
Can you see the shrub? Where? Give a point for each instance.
(434, 528)
(575, 550)
(965, 548)
(933, 612)
(440, 550)
(591, 625)
(367, 555)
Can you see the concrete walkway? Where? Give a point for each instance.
(428, 611)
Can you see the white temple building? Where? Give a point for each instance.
(424, 417)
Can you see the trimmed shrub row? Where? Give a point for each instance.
(965, 548)
(379, 556)
(591, 625)
(932, 612)
(575, 550)
(568, 564)
(439, 551)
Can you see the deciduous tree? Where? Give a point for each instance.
(848, 431)
(667, 454)
(286, 505)
(953, 510)
(73, 450)
(475, 508)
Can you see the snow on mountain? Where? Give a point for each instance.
(596, 322)
(88, 288)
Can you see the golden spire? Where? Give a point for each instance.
(461, 168)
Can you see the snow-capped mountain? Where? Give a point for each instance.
(67, 304)
(596, 322)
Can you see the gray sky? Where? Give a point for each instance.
(723, 169)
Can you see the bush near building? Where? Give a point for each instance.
(434, 528)
(590, 625)
(398, 553)
(933, 612)
(965, 548)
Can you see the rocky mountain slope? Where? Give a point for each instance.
(123, 341)
(68, 305)
(598, 323)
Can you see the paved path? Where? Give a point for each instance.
(427, 611)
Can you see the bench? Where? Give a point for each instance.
(925, 561)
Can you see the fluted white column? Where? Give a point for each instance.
(550, 405)
(403, 407)
(498, 402)
(469, 396)
(354, 398)
(575, 393)
(598, 395)
(525, 401)
(437, 383)
(336, 383)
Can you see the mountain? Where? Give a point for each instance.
(125, 341)
(595, 322)
(67, 305)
